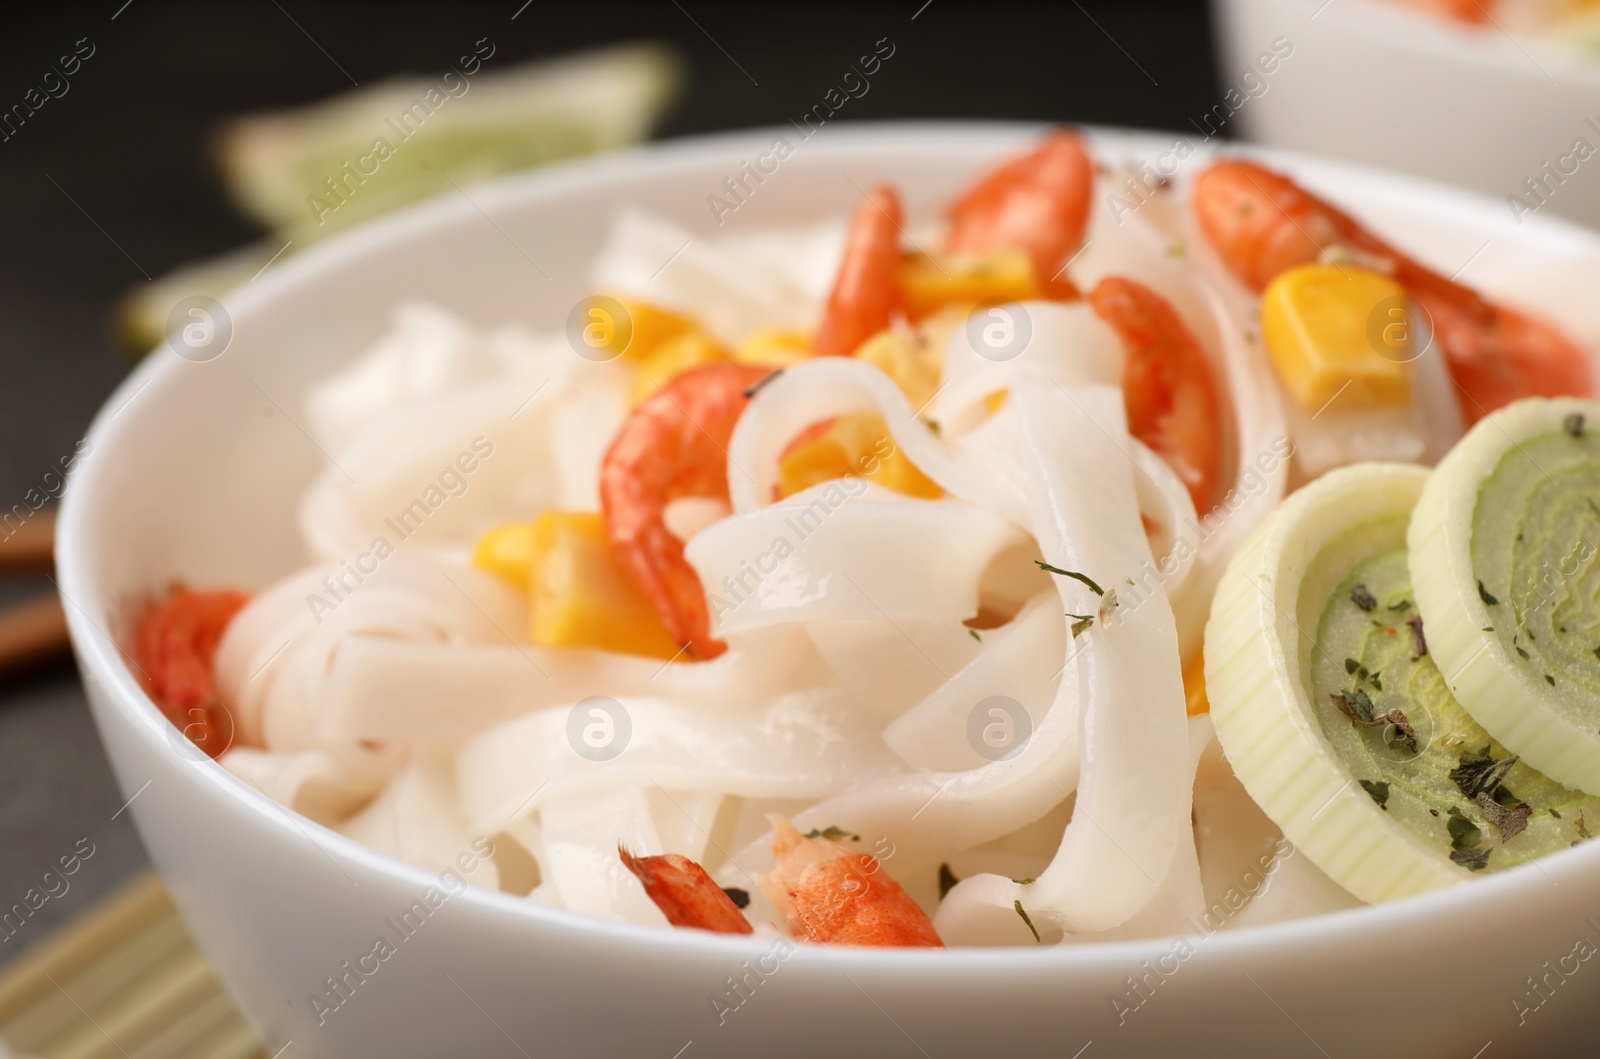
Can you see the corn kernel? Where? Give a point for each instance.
(907, 360)
(931, 281)
(1328, 329)
(692, 349)
(507, 552)
(858, 444)
(581, 597)
(774, 347)
(644, 328)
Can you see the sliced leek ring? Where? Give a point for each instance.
(1376, 806)
(1515, 508)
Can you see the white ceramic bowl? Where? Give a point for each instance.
(195, 473)
(1406, 90)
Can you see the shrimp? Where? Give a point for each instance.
(1166, 385)
(833, 895)
(174, 646)
(674, 445)
(866, 291)
(686, 895)
(1262, 223)
(1037, 202)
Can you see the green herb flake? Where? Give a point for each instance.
(1080, 623)
(1523, 653)
(1351, 665)
(947, 880)
(1555, 813)
(1023, 913)
(1475, 859)
(1029, 881)
(1573, 424)
(1379, 792)
(1464, 834)
(1404, 604)
(833, 832)
(1478, 773)
(1583, 829)
(1085, 578)
(1356, 705)
(1362, 597)
(1548, 679)
(1483, 594)
(974, 634)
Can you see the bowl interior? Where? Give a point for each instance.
(197, 468)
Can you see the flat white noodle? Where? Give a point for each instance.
(933, 734)
(324, 785)
(730, 293)
(845, 550)
(382, 688)
(272, 664)
(417, 819)
(578, 854)
(981, 910)
(803, 744)
(1067, 344)
(441, 473)
(891, 665)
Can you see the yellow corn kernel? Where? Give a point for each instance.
(581, 597)
(641, 329)
(860, 444)
(1194, 685)
(907, 360)
(507, 552)
(774, 347)
(930, 281)
(1330, 328)
(692, 349)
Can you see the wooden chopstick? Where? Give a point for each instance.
(32, 633)
(30, 545)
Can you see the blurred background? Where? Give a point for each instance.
(152, 151)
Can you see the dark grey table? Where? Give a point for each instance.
(111, 183)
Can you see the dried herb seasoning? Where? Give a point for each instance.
(834, 832)
(1415, 622)
(1023, 913)
(1084, 578)
(1380, 792)
(1573, 424)
(1479, 773)
(740, 898)
(1362, 597)
(1510, 820)
(1483, 594)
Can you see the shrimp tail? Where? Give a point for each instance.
(686, 895)
(866, 291)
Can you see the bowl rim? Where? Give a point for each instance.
(104, 663)
(1443, 37)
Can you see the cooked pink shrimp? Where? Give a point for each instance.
(1037, 202)
(674, 445)
(866, 290)
(1262, 223)
(686, 895)
(830, 894)
(1166, 385)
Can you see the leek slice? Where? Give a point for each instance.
(1503, 558)
(1379, 808)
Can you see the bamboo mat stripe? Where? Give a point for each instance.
(123, 979)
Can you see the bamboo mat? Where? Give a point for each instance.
(121, 980)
